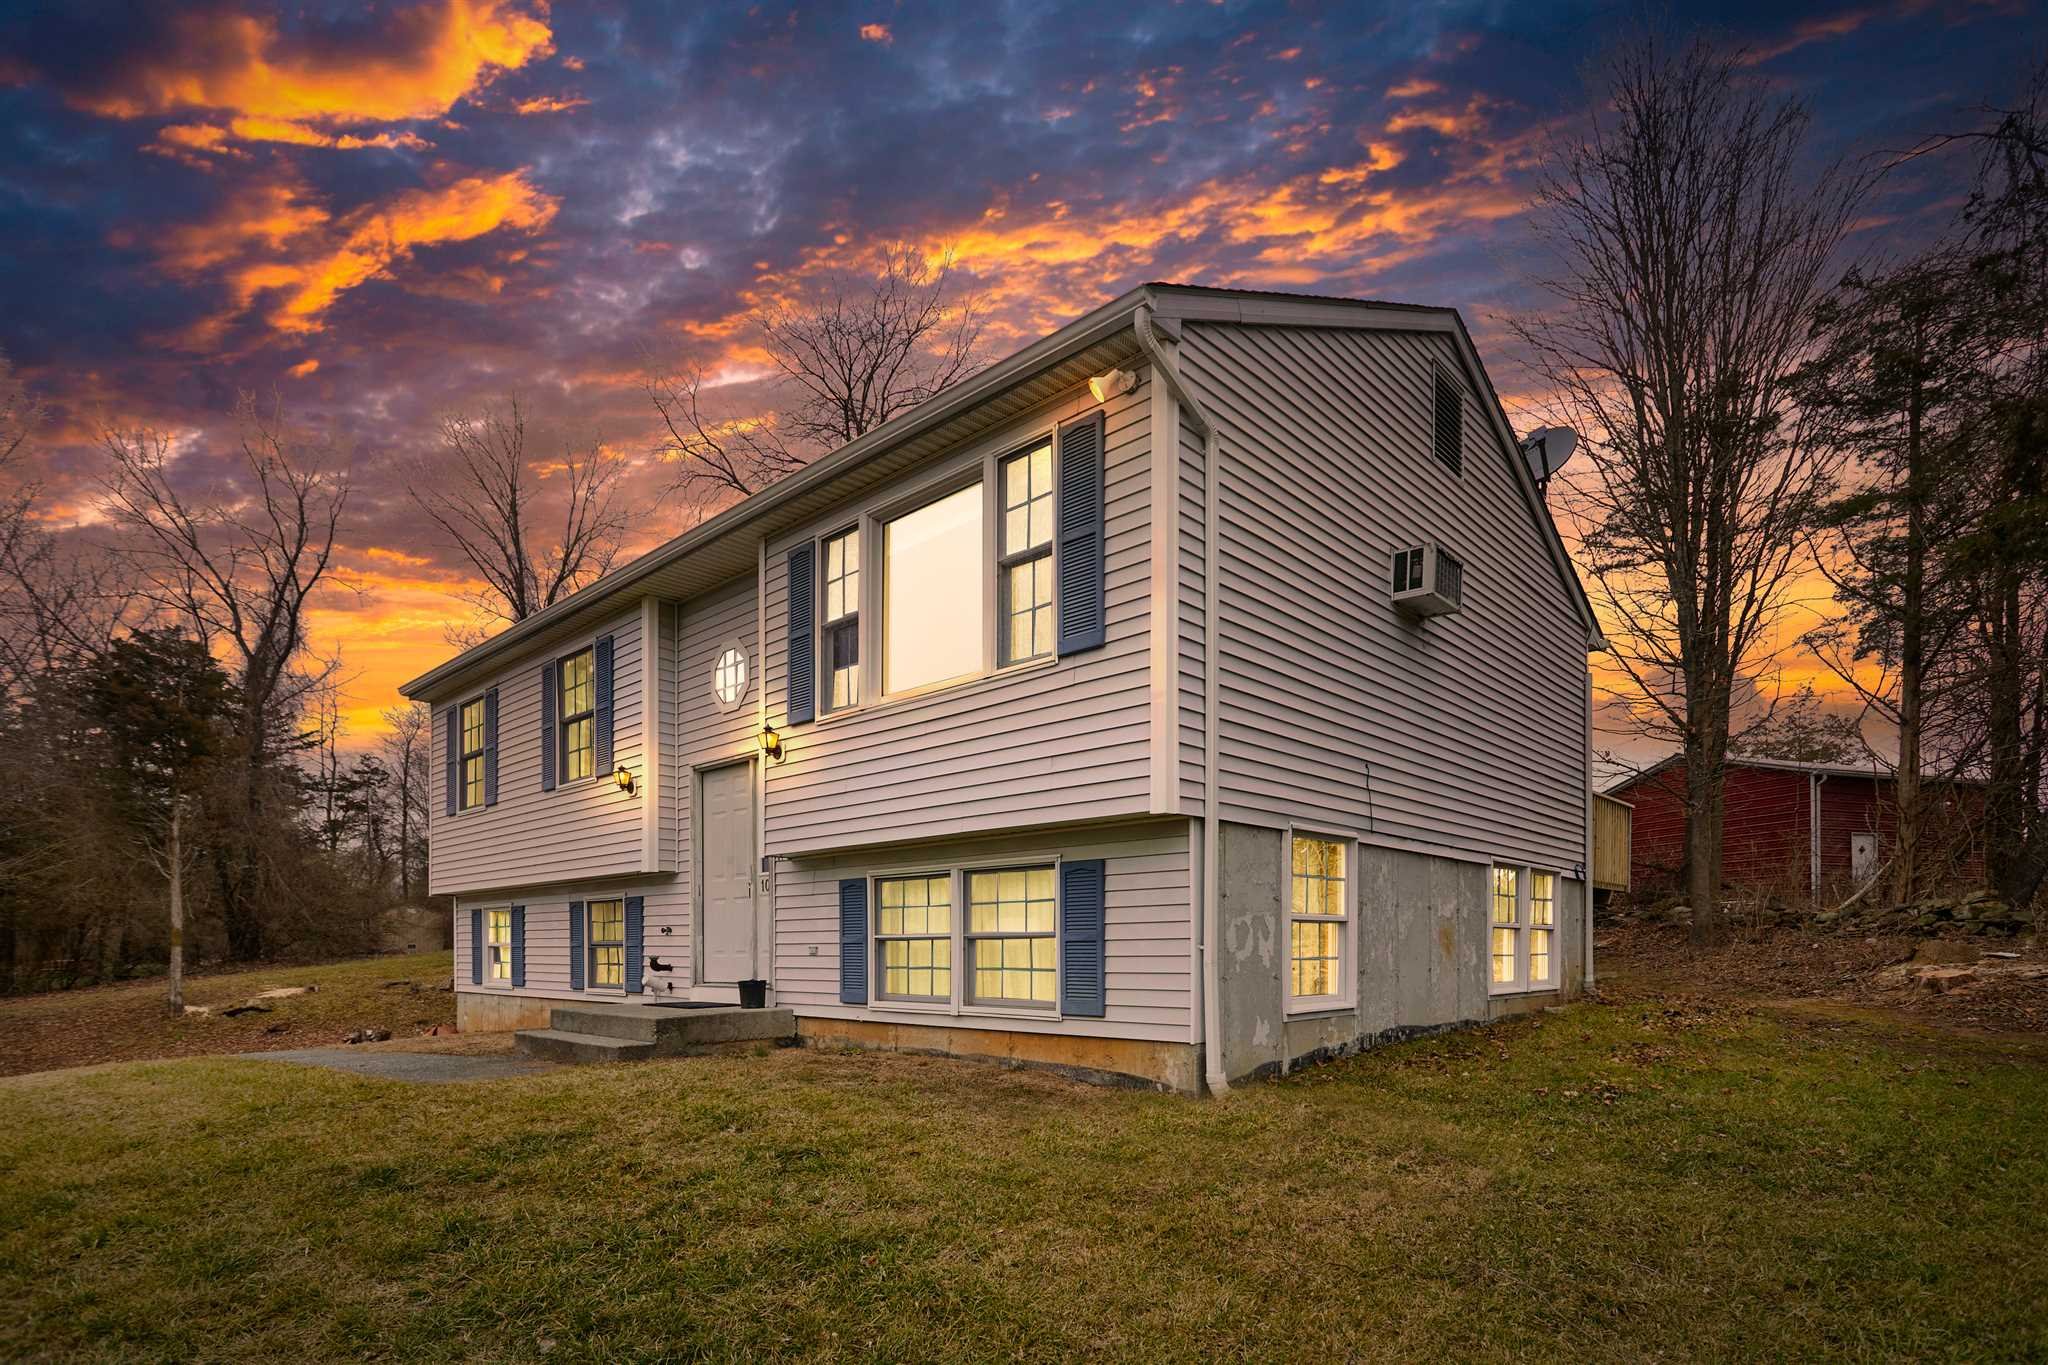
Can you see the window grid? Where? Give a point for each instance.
(914, 926)
(579, 715)
(1316, 913)
(1507, 925)
(1025, 556)
(607, 943)
(498, 943)
(473, 754)
(1011, 921)
(1542, 922)
(729, 676)
(842, 620)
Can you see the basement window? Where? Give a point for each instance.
(1522, 930)
(1318, 919)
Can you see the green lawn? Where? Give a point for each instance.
(1618, 1182)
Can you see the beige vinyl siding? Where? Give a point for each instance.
(1042, 743)
(1194, 584)
(580, 830)
(704, 734)
(1465, 733)
(1148, 923)
(669, 832)
(547, 937)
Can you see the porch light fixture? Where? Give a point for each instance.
(624, 777)
(771, 743)
(1111, 384)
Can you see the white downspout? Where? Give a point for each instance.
(1212, 1027)
(1592, 853)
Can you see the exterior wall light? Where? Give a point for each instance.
(624, 777)
(1112, 384)
(771, 743)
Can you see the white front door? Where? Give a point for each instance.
(725, 857)
(1862, 856)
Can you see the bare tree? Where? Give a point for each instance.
(850, 350)
(407, 749)
(1688, 254)
(486, 495)
(238, 567)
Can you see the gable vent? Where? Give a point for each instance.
(1447, 429)
(1428, 580)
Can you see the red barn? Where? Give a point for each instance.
(1798, 828)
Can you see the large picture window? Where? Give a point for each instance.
(579, 716)
(1025, 564)
(932, 592)
(1317, 917)
(914, 926)
(607, 947)
(473, 757)
(1011, 919)
(842, 620)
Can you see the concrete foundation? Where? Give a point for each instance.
(1419, 950)
(486, 1012)
(1100, 1061)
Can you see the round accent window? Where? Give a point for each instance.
(729, 676)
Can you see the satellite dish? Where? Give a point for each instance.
(1546, 449)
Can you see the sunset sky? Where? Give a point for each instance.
(384, 218)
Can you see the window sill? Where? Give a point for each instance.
(1551, 989)
(935, 691)
(1318, 1009)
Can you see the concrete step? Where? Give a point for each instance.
(671, 1031)
(562, 1045)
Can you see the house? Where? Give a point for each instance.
(1799, 828)
(1198, 691)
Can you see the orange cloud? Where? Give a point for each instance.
(1410, 89)
(384, 236)
(275, 88)
(303, 368)
(550, 104)
(1460, 123)
(877, 33)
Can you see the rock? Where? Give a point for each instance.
(1944, 950)
(1942, 980)
(282, 993)
(198, 1009)
(368, 1035)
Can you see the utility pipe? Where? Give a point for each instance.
(1212, 1029)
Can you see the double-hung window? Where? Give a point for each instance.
(472, 722)
(1318, 914)
(607, 946)
(1025, 560)
(1523, 929)
(842, 620)
(914, 927)
(498, 946)
(1011, 919)
(579, 716)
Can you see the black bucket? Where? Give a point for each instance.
(753, 995)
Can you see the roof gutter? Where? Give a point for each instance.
(1095, 327)
(1212, 1010)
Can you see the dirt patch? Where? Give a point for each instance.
(1990, 986)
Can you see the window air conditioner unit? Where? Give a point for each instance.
(1428, 581)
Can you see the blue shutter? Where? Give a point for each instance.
(550, 697)
(803, 654)
(519, 945)
(476, 947)
(454, 757)
(603, 721)
(636, 918)
(575, 945)
(1081, 938)
(1079, 511)
(491, 747)
(853, 941)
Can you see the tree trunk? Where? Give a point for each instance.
(176, 868)
(1912, 664)
(1704, 793)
